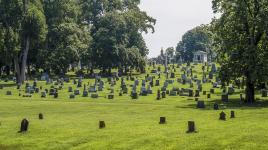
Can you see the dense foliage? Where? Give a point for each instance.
(241, 41)
(51, 35)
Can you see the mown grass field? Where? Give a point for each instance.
(130, 124)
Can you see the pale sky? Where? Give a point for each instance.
(174, 18)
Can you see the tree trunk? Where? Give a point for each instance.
(24, 59)
(250, 91)
(17, 69)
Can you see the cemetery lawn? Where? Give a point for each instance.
(130, 124)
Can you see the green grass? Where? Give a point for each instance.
(73, 124)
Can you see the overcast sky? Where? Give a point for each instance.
(174, 18)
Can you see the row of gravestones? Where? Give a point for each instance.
(24, 125)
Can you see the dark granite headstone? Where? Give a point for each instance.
(224, 97)
(102, 125)
(216, 106)
(191, 127)
(232, 114)
(162, 120)
(200, 104)
(40, 116)
(24, 126)
(222, 116)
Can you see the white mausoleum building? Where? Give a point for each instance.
(200, 57)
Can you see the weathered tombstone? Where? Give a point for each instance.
(8, 93)
(24, 126)
(191, 85)
(208, 96)
(191, 127)
(1, 87)
(264, 93)
(125, 90)
(120, 93)
(72, 96)
(210, 75)
(197, 93)
(214, 68)
(110, 96)
(79, 84)
(52, 91)
(163, 94)
(134, 95)
(92, 89)
(191, 93)
(35, 84)
(231, 90)
(74, 81)
(143, 91)
(162, 120)
(158, 68)
(56, 95)
(94, 95)
(85, 93)
(173, 93)
(241, 97)
(37, 90)
(43, 94)
(224, 97)
(172, 75)
(215, 85)
(18, 86)
(70, 89)
(158, 95)
(40, 116)
(76, 92)
(101, 124)
(222, 116)
(200, 104)
(232, 114)
(199, 87)
(167, 92)
(149, 89)
(212, 91)
(216, 106)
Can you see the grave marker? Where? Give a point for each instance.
(102, 124)
(24, 126)
(200, 104)
(222, 116)
(40, 116)
(232, 114)
(191, 127)
(162, 120)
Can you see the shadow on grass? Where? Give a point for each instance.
(232, 104)
(9, 85)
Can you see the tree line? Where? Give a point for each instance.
(52, 34)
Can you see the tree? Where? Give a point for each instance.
(197, 39)
(241, 41)
(67, 40)
(24, 25)
(124, 22)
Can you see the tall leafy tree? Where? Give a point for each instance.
(24, 25)
(241, 41)
(67, 40)
(124, 22)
